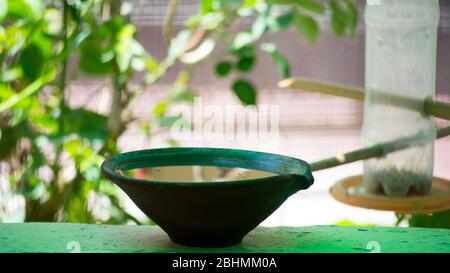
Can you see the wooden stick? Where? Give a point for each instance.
(429, 107)
(345, 91)
(377, 150)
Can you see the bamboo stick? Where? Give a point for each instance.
(377, 150)
(326, 88)
(429, 107)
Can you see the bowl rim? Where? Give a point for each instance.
(294, 168)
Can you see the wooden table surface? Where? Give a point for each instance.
(65, 237)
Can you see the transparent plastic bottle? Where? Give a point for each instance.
(401, 46)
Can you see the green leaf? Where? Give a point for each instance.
(337, 25)
(260, 25)
(222, 69)
(212, 20)
(344, 17)
(126, 47)
(245, 91)
(338, 18)
(32, 61)
(283, 2)
(249, 3)
(168, 121)
(307, 26)
(172, 143)
(206, 6)
(200, 53)
(160, 109)
(15, 37)
(352, 14)
(12, 74)
(280, 22)
(246, 63)
(93, 66)
(178, 44)
(182, 95)
(53, 22)
(281, 62)
(435, 220)
(20, 9)
(27, 91)
(312, 5)
(93, 49)
(246, 51)
(151, 64)
(35, 188)
(242, 39)
(85, 124)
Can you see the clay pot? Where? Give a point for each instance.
(209, 214)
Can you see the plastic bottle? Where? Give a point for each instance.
(401, 38)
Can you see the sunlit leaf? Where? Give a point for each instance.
(3, 9)
(249, 3)
(259, 26)
(126, 47)
(178, 44)
(160, 108)
(242, 39)
(53, 21)
(200, 53)
(12, 74)
(212, 20)
(138, 64)
(15, 39)
(126, 8)
(206, 6)
(25, 8)
(151, 64)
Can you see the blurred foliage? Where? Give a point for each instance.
(433, 220)
(50, 153)
(243, 48)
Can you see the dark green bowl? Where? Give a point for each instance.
(209, 214)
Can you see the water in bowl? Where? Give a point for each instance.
(195, 173)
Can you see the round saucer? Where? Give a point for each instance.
(351, 192)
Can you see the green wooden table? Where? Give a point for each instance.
(63, 237)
